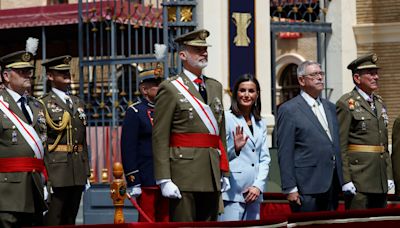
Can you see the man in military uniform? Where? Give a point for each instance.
(190, 162)
(67, 161)
(396, 154)
(363, 120)
(22, 145)
(136, 149)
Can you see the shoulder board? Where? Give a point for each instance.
(43, 96)
(173, 78)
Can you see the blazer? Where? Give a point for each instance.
(191, 169)
(67, 169)
(251, 167)
(136, 148)
(360, 125)
(21, 191)
(307, 157)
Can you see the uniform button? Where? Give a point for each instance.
(381, 144)
(180, 155)
(356, 161)
(5, 178)
(380, 131)
(381, 155)
(59, 118)
(334, 158)
(75, 129)
(252, 164)
(76, 141)
(33, 171)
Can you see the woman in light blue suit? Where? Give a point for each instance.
(246, 139)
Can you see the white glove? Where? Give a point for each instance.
(87, 185)
(225, 185)
(390, 184)
(170, 190)
(136, 191)
(349, 187)
(45, 193)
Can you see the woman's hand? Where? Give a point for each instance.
(251, 194)
(239, 139)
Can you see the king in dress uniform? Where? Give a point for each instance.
(363, 121)
(67, 160)
(22, 145)
(136, 149)
(189, 136)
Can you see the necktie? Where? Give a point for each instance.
(24, 110)
(321, 119)
(68, 102)
(202, 89)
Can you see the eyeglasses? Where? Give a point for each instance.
(316, 74)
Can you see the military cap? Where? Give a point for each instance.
(364, 62)
(58, 63)
(18, 59)
(150, 74)
(194, 38)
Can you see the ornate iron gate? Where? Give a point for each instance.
(116, 42)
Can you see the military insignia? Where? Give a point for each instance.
(385, 116)
(203, 35)
(374, 58)
(191, 113)
(36, 103)
(184, 100)
(56, 109)
(351, 104)
(363, 126)
(26, 57)
(67, 60)
(82, 115)
(14, 135)
(217, 106)
(41, 120)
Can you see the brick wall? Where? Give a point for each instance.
(378, 11)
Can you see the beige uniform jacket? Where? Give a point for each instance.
(20, 190)
(369, 171)
(67, 169)
(191, 169)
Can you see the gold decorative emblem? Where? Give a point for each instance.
(67, 60)
(242, 21)
(186, 14)
(158, 71)
(26, 57)
(374, 58)
(203, 35)
(351, 104)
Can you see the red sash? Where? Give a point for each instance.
(24, 164)
(201, 140)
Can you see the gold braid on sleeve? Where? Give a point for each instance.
(65, 123)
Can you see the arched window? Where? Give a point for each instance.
(289, 85)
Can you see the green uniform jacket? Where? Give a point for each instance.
(368, 171)
(396, 154)
(20, 190)
(191, 169)
(67, 169)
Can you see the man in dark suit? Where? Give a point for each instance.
(67, 162)
(189, 136)
(308, 145)
(137, 152)
(23, 144)
(363, 119)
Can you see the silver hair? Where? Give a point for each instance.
(301, 69)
